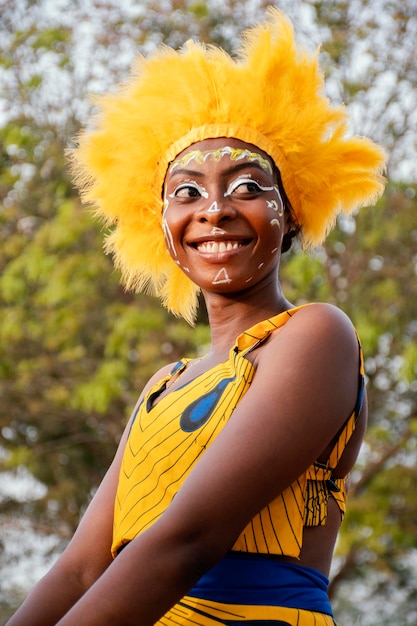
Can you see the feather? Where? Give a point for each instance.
(270, 94)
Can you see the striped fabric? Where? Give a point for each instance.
(194, 612)
(166, 441)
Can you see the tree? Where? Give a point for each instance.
(75, 349)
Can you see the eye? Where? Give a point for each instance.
(245, 186)
(189, 189)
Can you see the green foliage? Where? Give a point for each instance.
(304, 277)
(50, 38)
(200, 9)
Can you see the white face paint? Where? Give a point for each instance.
(165, 229)
(186, 185)
(245, 179)
(235, 154)
(217, 231)
(276, 206)
(222, 277)
(213, 208)
(275, 222)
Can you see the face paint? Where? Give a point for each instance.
(260, 265)
(274, 250)
(275, 223)
(213, 208)
(165, 229)
(221, 277)
(276, 206)
(235, 184)
(272, 204)
(217, 231)
(190, 183)
(235, 154)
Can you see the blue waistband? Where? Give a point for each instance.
(247, 579)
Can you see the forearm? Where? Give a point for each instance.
(50, 599)
(143, 583)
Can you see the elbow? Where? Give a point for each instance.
(192, 551)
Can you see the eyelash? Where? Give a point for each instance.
(245, 181)
(189, 185)
(234, 185)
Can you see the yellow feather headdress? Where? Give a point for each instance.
(271, 95)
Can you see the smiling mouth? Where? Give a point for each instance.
(216, 247)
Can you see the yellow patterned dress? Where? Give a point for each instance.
(164, 444)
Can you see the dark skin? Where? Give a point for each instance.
(304, 389)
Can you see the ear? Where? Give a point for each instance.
(291, 230)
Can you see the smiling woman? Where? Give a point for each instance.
(229, 486)
(223, 215)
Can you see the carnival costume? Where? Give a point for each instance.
(165, 442)
(271, 95)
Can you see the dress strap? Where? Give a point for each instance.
(258, 333)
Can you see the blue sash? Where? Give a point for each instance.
(247, 579)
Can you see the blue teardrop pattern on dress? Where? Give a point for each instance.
(199, 411)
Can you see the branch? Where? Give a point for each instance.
(375, 467)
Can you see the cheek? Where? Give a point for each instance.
(271, 230)
(275, 207)
(276, 204)
(168, 230)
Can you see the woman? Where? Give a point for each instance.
(225, 497)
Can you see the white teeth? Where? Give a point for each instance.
(215, 247)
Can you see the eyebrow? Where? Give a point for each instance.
(237, 167)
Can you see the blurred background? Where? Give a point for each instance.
(75, 349)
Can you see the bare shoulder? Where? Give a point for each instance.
(323, 317)
(318, 326)
(314, 357)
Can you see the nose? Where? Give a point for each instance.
(216, 211)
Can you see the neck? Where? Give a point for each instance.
(228, 316)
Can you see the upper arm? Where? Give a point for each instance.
(88, 553)
(304, 389)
